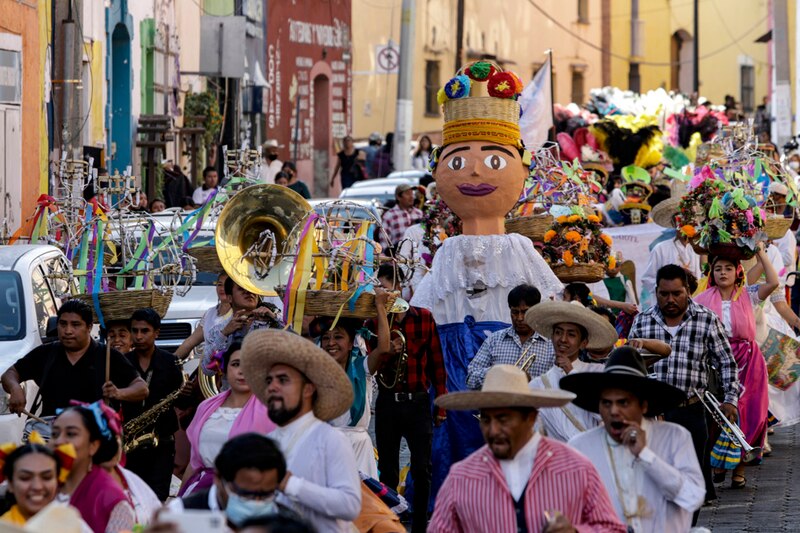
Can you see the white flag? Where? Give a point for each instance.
(536, 101)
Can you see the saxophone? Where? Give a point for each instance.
(133, 431)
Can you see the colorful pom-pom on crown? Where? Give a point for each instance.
(469, 117)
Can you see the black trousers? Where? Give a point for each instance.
(694, 418)
(154, 466)
(412, 419)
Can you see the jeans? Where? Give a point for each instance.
(694, 418)
(413, 420)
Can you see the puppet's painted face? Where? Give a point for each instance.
(480, 179)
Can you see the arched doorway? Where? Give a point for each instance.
(322, 132)
(682, 57)
(121, 92)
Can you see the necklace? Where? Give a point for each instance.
(684, 254)
(641, 503)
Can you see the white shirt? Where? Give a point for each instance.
(358, 434)
(269, 169)
(555, 422)
(617, 199)
(145, 502)
(412, 249)
(215, 433)
(671, 252)
(324, 487)
(788, 248)
(200, 195)
(518, 470)
(666, 474)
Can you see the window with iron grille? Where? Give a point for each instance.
(583, 11)
(431, 87)
(577, 86)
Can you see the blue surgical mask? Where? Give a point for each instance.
(240, 510)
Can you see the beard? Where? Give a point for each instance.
(281, 414)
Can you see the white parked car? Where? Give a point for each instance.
(381, 190)
(31, 279)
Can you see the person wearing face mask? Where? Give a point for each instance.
(247, 474)
(222, 417)
(33, 472)
(272, 165)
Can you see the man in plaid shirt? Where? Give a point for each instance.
(398, 218)
(403, 407)
(517, 345)
(697, 339)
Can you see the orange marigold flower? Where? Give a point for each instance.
(593, 218)
(549, 235)
(689, 230)
(572, 236)
(574, 218)
(612, 263)
(567, 257)
(606, 239)
(562, 219)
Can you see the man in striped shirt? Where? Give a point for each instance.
(518, 345)
(520, 481)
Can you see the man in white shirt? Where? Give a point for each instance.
(776, 205)
(676, 251)
(303, 387)
(572, 328)
(646, 465)
(271, 164)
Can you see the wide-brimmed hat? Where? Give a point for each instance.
(264, 348)
(272, 143)
(664, 212)
(777, 187)
(504, 386)
(625, 369)
(543, 317)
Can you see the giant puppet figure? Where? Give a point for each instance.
(480, 171)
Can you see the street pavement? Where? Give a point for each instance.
(771, 499)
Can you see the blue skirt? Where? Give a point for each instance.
(460, 434)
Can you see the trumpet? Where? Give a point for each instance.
(526, 362)
(401, 367)
(712, 405)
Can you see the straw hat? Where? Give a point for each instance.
(624, 370)
(543, 317)
(664, 212)
(264, 348)
(504, 386)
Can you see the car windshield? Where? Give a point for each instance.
(12, 312)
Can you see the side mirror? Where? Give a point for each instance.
(51, 332)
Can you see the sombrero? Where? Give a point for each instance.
(543, 317)
(664, 212)
(504, 386)
(264, 348)
(624, 370)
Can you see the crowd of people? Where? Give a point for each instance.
(526, 404)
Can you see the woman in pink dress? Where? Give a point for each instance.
(222, 417)
(732, 301)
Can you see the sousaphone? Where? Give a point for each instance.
(254, 242)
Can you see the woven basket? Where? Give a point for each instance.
(534, 227)
(776, 227)
(580, 272)
(699, 250)
(120, 305)
(329, 303)
(207, 258)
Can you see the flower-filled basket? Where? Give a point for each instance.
(695, 205)
(575, 246)
(734, 227)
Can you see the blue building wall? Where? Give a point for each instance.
(119, 69)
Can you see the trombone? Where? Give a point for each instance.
(734, 431)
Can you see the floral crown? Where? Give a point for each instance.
(493, 118)
(107, 420)
(65, 453)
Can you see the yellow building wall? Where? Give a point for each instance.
(513, 31)
(728, 29)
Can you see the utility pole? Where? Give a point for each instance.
(634, 80)
(696, 58)
(405, 103)
(68, 77)
(459, 34)
(782, 90)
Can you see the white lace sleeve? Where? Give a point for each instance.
(122, 518)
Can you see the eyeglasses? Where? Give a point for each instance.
(260, 495)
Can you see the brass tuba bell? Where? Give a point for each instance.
(252, 234)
